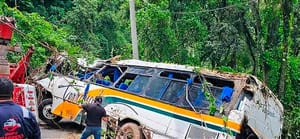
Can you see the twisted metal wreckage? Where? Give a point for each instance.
(146, 99)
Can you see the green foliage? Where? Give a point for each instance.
(156, 37)
(20, 4)
(292, 123)
(32, 29)
(96, 28)
(211, 99)
(53, 10)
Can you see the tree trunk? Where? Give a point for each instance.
(232, 62)
(285, 6)
(242, 27)
(259, 39)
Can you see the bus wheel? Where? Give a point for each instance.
(129, 131)
(45, 114)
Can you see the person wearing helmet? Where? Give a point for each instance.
(15, 121)
(95, 113)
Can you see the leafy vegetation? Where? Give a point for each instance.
(33, 29)
(257, 37)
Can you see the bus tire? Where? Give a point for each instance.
(45, 114)
(129, 131)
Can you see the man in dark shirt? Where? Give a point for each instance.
(16, 122)
(95, 113)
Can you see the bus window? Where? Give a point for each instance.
(196, 97)
(157, 87)
(175, 75)
(108, 75)
(174, 91)
(111, 73)
(198, 80)
(147, 71)
(125, 81)
(222, 94)
(138, 84)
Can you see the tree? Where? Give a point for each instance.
(32, 29)
(157, 39)
(286, 11)
(95, 27)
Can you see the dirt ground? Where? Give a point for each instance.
(65, 130)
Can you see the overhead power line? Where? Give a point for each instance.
(212, 10)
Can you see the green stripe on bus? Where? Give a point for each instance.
(109, 100)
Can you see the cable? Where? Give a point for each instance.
(210, 10)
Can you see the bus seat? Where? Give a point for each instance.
(226, 94)
(189, 81)
(53, 68)
(163, 89)
(123, 86)
(200, 98)
(182, 90)
(117, 74)
(103, 82)
(84, 76)
(135, 85)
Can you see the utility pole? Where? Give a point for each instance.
(135, 50)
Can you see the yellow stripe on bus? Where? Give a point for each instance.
(179, 111)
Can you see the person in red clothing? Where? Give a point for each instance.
(16, 122)
(95, 113)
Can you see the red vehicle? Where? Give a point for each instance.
(24, 94)
(6, 29)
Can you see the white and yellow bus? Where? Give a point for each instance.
(157, 100)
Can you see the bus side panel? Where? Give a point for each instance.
(178, 128)
(147, 118)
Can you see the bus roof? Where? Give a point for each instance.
(172, 66)
(134, 62)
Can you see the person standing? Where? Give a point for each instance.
(95, 113)
(16, 122)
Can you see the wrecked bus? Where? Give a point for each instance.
(158, 100)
